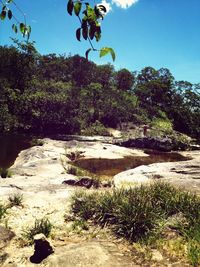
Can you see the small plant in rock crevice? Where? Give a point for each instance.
(3, 210)
(5, 173)
(43, 226)
(15, 200)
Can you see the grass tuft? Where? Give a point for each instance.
(3, 210)
(43, 226)
(144, 213)
(5, 173)
(15, 200)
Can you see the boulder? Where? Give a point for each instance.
(42, 249)
(157, 143)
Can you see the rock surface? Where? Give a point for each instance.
(185, 174)
(38, 175)
(165, 144)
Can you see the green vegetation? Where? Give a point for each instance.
(74, 155)
(97, 128)
(4, 173)
(15, 200)
(68, 95)
(50, 94)
(43, 226)
(141, 214)
(3, 210)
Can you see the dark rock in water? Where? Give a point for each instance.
(5, 236)
(42, 249)
(162, 144)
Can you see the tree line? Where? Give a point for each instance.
(49, 94)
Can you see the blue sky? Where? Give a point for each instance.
(157, 33)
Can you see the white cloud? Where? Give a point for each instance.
(124, 3)
(107, 5)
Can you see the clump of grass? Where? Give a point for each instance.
(75, 155)
(193, 253)
(79, 225)
(72, 170)
(15, 200)
(5, 172)
(43, 226)
(3, 210)
(136, 212)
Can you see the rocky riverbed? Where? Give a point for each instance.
(38, 174)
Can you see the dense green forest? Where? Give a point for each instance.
(50, 94)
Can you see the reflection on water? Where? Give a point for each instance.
(110, 167)
(10, 146)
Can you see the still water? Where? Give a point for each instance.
(10, 146)
(110, 167)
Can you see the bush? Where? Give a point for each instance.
(43, 226)
(96, 128)
(162, 126)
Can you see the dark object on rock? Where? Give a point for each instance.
(42, 249)
(85, 182)
(162, 144)
(5, 236)
(70, 182)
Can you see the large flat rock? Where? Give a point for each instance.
(185, 174)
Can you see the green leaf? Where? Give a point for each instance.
(77, 8)
(87, 53)
(98, 33)
(14, 27)
(70, 6)
(22, 28)
(78, 34)
(85, 30)
(106, 50)
(3, 15)
(92, 31)
(10, 14)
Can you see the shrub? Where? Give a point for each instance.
(5, 172)
(15, 200)
(97, 128)
(43, 226)
(162, 126)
